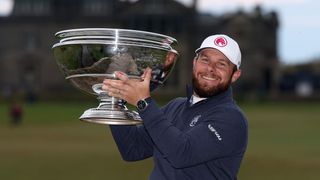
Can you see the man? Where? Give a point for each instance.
(200, 137)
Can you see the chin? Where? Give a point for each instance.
(202, 90)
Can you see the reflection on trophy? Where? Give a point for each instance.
(88, 56)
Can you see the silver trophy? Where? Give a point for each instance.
(88, 56)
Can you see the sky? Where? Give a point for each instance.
(299, 29)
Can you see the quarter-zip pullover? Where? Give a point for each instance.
(204, 141)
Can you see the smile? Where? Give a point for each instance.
(209, 78)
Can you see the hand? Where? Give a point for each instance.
(130, 90)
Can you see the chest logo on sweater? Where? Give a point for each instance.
(194, 121)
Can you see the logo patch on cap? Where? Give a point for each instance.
(220, 41)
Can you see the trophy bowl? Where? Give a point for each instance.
(88, 56)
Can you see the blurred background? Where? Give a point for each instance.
(41, 138)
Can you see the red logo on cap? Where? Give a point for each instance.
(220, 41)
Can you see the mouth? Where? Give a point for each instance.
(209, 78)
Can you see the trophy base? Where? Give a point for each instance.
(111, 117)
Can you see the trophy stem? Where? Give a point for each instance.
(111, 102)
(112, 111)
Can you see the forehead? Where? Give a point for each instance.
(214, 53)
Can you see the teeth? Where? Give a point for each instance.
(209, 78)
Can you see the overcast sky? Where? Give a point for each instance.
(299, 30)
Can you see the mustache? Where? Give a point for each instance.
(204, 92)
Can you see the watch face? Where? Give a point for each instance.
(142, 104)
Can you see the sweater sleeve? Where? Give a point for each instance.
(216, 138)
(133, 142)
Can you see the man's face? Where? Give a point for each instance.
(212, 73)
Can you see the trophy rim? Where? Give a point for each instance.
(116, 36)
(103, 32)
(104, 42)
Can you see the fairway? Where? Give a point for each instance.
(52, 144)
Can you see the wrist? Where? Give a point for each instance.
(142, 104)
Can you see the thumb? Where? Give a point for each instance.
(147, 75)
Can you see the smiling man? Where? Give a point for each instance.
(200, 137)
(216, 65)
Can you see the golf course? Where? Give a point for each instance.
(52, 144)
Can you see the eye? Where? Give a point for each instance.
(204, 59)
(222, 64)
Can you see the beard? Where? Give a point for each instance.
(205, 92)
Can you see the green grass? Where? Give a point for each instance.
(53, 144)
(283, 141)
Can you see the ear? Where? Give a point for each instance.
(236, 75)
(194, 63)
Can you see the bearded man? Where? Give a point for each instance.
(199, 137)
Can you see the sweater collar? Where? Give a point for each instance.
(223, 95)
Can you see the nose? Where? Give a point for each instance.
(211, 67)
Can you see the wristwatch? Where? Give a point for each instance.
(142, 104)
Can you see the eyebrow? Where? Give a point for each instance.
(203, 55)
(220, 59)
(225, 60)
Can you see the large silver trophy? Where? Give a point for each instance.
(88, 56)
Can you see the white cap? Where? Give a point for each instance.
(224, 44)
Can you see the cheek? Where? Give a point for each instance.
(227, 77)
(196, 70)
(199, 68)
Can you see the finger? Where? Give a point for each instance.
(108, 88)
(121, 75)
(106, 81)
(144, 74)
(113, 83)
(147, 74)
(111, 91)
(115, 94)
(105, 87)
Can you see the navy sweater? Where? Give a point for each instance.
(205, 141)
